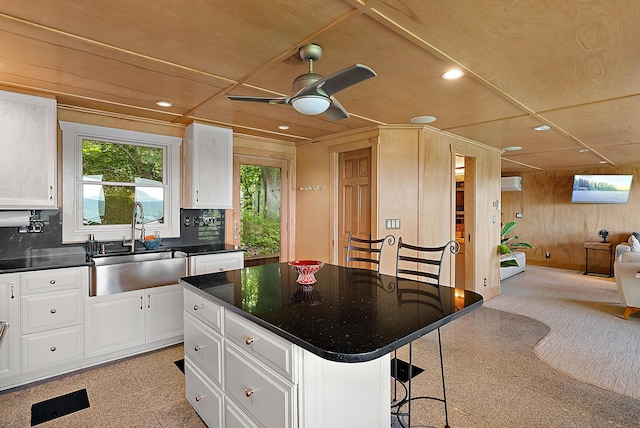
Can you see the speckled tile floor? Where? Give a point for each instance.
(143, 391)
(493, 378)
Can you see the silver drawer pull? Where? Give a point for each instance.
(53, 281)
(53, 311)
(200, 398)
(53, 349)
(248, 340)
(199, 347)
(196, 307)
(248, 392)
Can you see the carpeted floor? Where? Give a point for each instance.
(588, 340)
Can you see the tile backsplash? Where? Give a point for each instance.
(196, 227)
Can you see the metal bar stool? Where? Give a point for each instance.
(425, 263)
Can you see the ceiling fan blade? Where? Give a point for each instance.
(339, 80)
(336, 111)
(259, 99)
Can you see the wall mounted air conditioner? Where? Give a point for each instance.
(511, 184)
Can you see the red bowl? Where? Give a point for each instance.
(306, 269)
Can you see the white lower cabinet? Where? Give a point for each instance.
(44, 336)
(114, 322)
(252, 368)
(235, 418)
(122, 321)
(263, 395)
(213, 263)
(51, 319)
(10, 340)
(204, 396)
(50, 348)
(268, 382)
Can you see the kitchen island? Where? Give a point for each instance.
(261, 350)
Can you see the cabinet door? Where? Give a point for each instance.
(164, 317)
(208, 158)
(28, 161)
(10, 313)
(212, 263)
(114, 322)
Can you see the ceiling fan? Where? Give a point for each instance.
(312, 93)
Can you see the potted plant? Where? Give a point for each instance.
(509, 243)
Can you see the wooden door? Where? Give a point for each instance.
(354, 206)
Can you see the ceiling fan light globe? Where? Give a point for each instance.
(311, 104)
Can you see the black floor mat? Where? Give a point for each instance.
(180, 364)
(403, 370)
(53, 408)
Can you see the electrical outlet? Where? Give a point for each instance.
(547, 255)
(485, 282)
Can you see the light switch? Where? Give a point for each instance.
(392, 223)
(518, 215)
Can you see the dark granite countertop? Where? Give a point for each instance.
(45, 259)
(72, 257)
(350, 315)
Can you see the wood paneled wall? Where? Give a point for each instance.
(551, 223)
(415, 184)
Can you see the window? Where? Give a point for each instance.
(107, 170)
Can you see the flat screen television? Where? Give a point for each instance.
(601, 189)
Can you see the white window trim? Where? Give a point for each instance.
(72, 135)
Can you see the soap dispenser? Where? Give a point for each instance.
(91, 246)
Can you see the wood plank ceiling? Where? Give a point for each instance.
(573, 65)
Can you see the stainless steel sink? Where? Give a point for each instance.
(115, 273)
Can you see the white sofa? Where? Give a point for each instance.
(518, 256)
(627, 273)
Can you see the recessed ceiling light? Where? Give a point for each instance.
(453, 74)
(511, 148)
(283, 127)
(164, 103)
(423, 119)
(542, 128)
(602, 162)
(583, 150)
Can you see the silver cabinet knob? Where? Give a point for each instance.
(248, 340)
(53, 311)
(199, 398)
(196, 307)
(198, 347)
(53, 349)
(248, 392)
(52, 282)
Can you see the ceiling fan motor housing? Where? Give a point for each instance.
(305, 80)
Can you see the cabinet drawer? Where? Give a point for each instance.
(204, 347)
(47, 311)
(49, 348)
(235, 418)
(259, 392)
(204, 396)
(54, 280)
(203, 309)
(213, 263)
(270, 349)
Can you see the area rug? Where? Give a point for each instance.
(588, 339)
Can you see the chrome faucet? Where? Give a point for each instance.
(132, 243)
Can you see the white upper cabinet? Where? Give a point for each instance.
(28, 160)
(208, 167)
